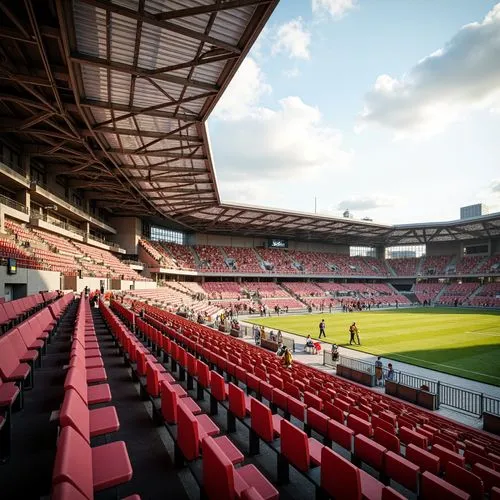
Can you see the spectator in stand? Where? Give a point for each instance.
(379, 372)
(309, 343)
(390, 372)
(322, 326)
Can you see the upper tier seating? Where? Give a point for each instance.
(246, 260)
(468, 264)
(404, 267)
(492, 265)
(279, 260)
(182, 255)
(211, 258)
(434, 264)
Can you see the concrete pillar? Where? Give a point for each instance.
(26, 163)
(24, 197)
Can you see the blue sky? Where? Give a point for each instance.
(388, 108)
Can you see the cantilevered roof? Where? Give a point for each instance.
(114, 95)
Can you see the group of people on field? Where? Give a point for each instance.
(353, 332)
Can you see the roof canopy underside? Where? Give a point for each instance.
(114, 96)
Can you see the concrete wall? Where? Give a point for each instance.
(128, 232)
(34, 279)
(139, 285)
(12, 213)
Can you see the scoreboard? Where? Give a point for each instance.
(277, 243)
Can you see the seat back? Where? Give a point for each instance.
(66, 491)
(75, 379)
(217, 386)
(261, 420)
(237, 401)
(169, 402)
(218, 473)
(312, 401)
(191, 364)
(295, 445)
(203, 374)
(296, 408)
(432, 487)
(424, 459)
(390, 441)
(490, 477)
(369, 451)
(402, 471)
(279, 398)
(73, 462)
(339, 477)
(9, 360)
(334, 412)
(317, 421)
(359, 426)
(17, 342)
(465, 480)
(187, 432)
(341, 434)
(75, 412)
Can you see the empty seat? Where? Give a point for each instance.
(341, 479)
(90, 469)
(222, 481)
(465, 480)
(423, 458)
(401, 470)
(432, 487)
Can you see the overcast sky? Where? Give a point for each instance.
(388, 108)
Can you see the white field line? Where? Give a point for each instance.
(487, 334)
(439, 364)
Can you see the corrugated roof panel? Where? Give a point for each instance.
(160, 48)
(95, 83)
(146, 94)
(90, 28)
(209, 73)
(123, 33)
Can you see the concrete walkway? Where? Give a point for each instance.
(316, 360)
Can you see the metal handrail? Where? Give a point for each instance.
(464, 400)
(14, 204)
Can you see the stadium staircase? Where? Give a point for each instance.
(474, 293)
(197, 259)
(452, 264)
(420, 264)
(437, 298)
(259, 258)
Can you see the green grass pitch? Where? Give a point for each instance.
(461, 342)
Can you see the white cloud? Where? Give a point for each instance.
(292, 72)
(495, 186)
(243, 93)
(292, 39)
(289, 141)
(363, 203)
(335, 8)
(443, 86)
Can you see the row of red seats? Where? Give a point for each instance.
(14, 311)
(20, 348)
(264, 425)
(349, 394)
(193, 429)
(81, 470)
(408, 433)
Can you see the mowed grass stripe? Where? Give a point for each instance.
(448, 340)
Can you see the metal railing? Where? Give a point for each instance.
(452, 396)
(13, 204)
